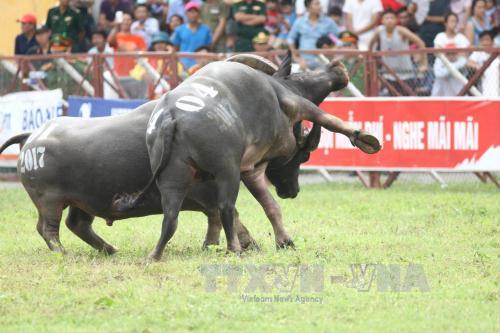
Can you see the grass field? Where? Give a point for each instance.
(452, 234)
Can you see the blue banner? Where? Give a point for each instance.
(89, 107)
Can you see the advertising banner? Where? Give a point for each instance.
(88, 107)
(456, 134)
(25, 112)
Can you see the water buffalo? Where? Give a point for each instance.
(226, 123)
(82, 163)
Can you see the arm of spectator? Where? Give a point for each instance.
(249, 19)
(219, 31)
(373, 23)
(374, 41)
(176, 40)
(406, 33)
(112, 36)
(469, 32)
(152, 26)
(348, 22)
(435, 19)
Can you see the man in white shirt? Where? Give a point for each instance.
(300, 7)
(362, 16)
(144, 25)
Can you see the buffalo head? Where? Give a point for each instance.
(284, 173)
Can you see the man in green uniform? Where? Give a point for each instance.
(65, 21)
(250, 16)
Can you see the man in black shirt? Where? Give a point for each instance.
(26, 39)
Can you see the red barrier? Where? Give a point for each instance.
(454, 134)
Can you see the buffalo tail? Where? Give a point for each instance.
(125, 202)
(19, 138)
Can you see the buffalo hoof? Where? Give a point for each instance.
(109, 249)
(206, 244)
(250, 246)
(153, 257)
(285, 244)
(366, 142)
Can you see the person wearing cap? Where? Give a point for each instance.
(67, 22)
(161, 42)
(191, 35)
(178, 7)
(26, 39)
(100, 46)
(42, 35)
(144, 25)
(306, 31)
(250, 17)
(261, 42)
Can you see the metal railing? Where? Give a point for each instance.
(150, 74)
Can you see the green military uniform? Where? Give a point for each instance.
(67, 24)
(211, 13)
(245, 33)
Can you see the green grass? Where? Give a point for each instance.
(452, 233)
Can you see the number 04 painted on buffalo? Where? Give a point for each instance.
(191, 103)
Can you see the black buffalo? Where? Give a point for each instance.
(226, 123)
(82, 163)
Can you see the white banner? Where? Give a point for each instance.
(25, 112)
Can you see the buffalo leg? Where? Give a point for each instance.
(255, 181)
(228, 183)
(49, 221)
(173, 184)
(80, 223)
(215, 227)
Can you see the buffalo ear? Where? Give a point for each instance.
(312, 140)
(286, 66)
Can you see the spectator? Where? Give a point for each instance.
(123, 40)
(273, 17)
(325, 43)
(462, 9)
(161, 42)
(288, 18)
(192, 35)
(42, 47)
(144, 25)
(391, 37)
(177, 7)
(175, 21)
(109, 8)
(87, 20)
(301, 7)
(214, 14)
(362, 17)
(349, 40)
(306, 30)
(60, 44)
(157, 8)
(406, 19)
(490, 83)
(395, 5)
(434, 20)
(26, 39)
(250, 17)
(335, 14)
(63, 20)
(493, 13)
(261, 42)
(100, 46)
(445, 84)
(477, 23)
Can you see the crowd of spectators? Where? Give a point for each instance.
(263, 25)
